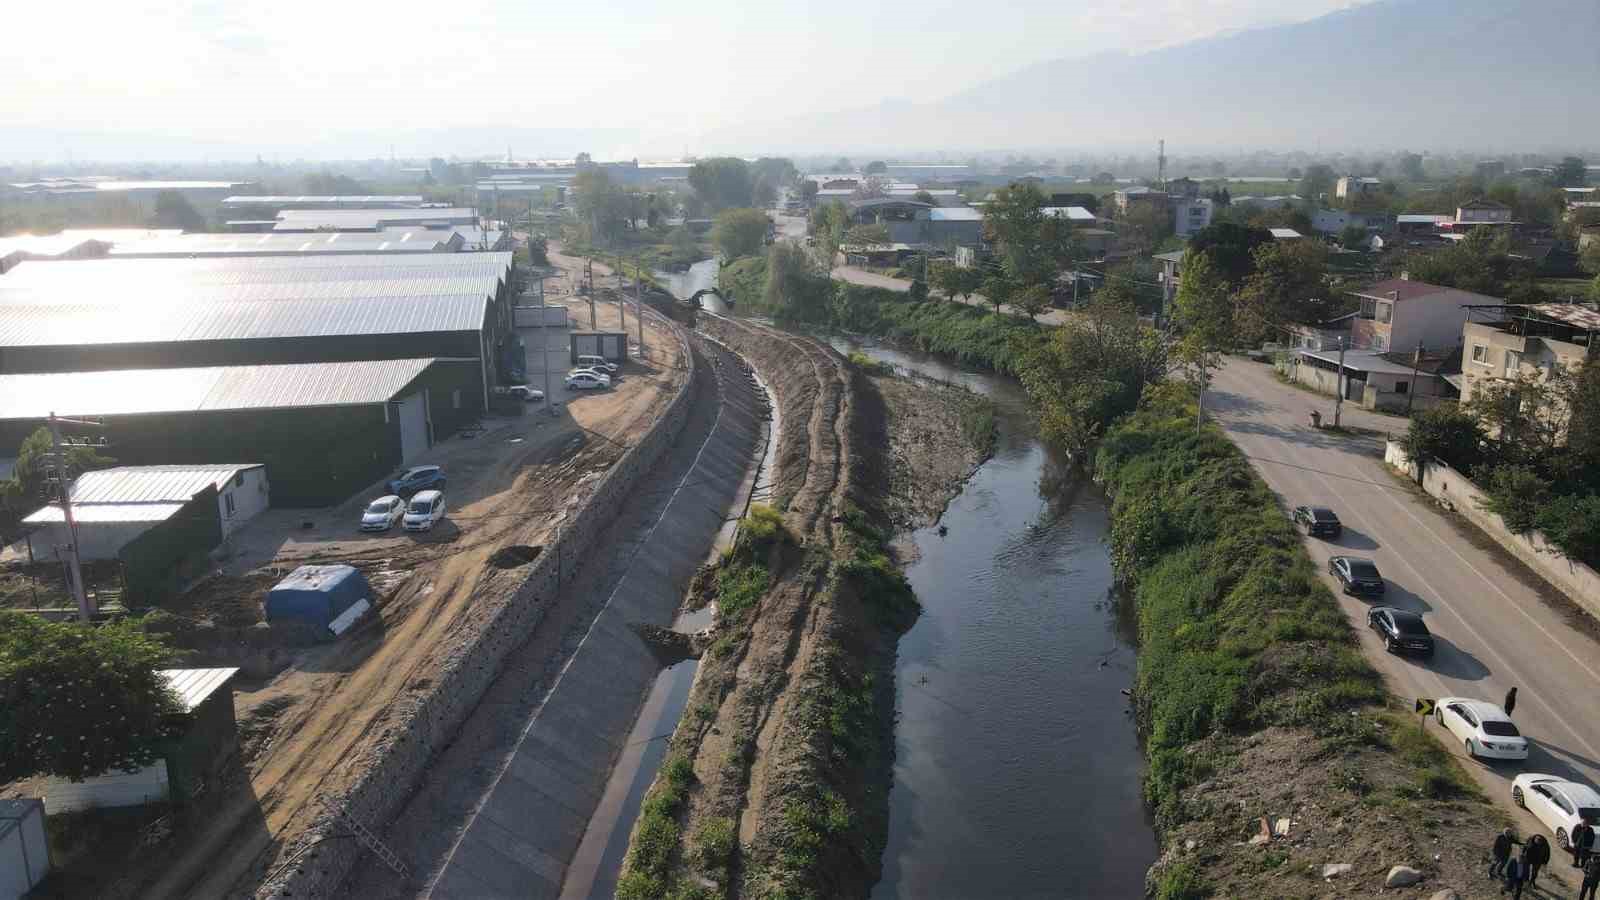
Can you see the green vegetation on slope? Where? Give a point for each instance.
(1235, 629)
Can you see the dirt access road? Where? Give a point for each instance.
(332, 706)
(1496, 625)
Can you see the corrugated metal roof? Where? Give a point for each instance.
(1074, 213)
(370, 219)
(276, 199)
(1575, 314)
(195, 685)
(152, 484)
(143, 391)
(399, 240)
(955, 214)
(105, 513)
(118, 301)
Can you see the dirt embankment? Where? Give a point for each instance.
(932, 437)
(775, 780)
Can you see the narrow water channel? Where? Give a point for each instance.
(1017, 769)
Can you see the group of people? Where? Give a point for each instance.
(1522, 870)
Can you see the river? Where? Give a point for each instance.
(700, 276)
(1017, 769)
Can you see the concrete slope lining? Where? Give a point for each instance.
(527, 828)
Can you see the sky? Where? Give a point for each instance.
(297, 71)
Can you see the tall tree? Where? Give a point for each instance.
(1230, 248)
(27, 488)
(1570, 172)
(1204, 317)
(740, 232)
(1411, 167)
(876, 167)
(1288, 276)
(829, 221)
(1317, 180)
(173, 210)
(797, 290)
(724, 182)
(80, 700)
(1033, 246)
(955, 281)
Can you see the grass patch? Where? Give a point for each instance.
(979, 425)
(716, 842)
(866, 365)
(645, 870)
(868, 568)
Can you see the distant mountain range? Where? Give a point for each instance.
(1436, 74)
(1489, 75)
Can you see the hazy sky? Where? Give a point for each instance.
(296, 69)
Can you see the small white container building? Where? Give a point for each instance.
(24, 851)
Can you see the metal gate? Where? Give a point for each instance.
(413, 426)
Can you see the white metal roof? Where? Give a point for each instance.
(1284, 234)
(955, 214)
(143, 391)
(193, 686)
(1074, 213)
(370, 219)
(137, 493)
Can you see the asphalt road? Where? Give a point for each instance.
(1492, 622)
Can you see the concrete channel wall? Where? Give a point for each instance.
(522, 839)
(1580, 583)
(427, 721)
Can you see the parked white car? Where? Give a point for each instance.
(1558, 803)
(523, 392)
(598, 363)
(1483, 728)
(587, 381)
(426, 508)
(383, 513)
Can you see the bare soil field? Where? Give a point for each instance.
(307, 729)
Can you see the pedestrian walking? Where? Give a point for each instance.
(1516, 877)
(1591, 879)
(1503, 842)
(1537, 856)
(1511, 701)
(1582, 842)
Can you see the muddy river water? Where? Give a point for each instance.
(1016, 769)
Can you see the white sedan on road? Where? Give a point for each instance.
(1558, 803)
(1483, 728)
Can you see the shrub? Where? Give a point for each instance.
(866, 365)
(1573, 525)
(1181, 882)
(1445, 433)
(716, 841)
(1515, 493)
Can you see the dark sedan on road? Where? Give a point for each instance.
(1318, 520)
(1402, 631)
(1356, 575)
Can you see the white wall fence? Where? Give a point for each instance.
(1455, 491)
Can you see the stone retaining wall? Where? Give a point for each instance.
(422, 725)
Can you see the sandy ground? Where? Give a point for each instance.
(316, 719)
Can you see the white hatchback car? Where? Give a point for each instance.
(383, 513)
(1482, 727)
(426, 508)
(1558, 803)
(585, 381)
(598, 363)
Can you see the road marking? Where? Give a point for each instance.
(1439, 602)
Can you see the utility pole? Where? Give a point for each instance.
(588, 274)
(1161, 163)
(622, 310)
(638, 299)
(86, 608)
(1338, 397)
(1411, 389)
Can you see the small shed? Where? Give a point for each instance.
(24, 851)
(316, 595)
(613, 345)
(206, 738)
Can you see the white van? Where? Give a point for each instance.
(426, 508)
(598, 363)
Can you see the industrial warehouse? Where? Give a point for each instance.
(96, 315)
(323, 430)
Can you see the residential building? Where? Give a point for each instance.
(1321, 335)
(1335, 221)
(1131, 197)
(1421, 223)
(1504, 340)
(1097, 242)
(1275, 201)
(1351, 186)
(1399, 314)
(1483, 212)
(323, 430)
(1171, 275)
(1190, 214)
(1582, 193)
(112, 507)
(1386, 381)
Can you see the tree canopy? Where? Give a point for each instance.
(80, 700)
(1286, 285)
(25, 490)
(724, 182)
(740, 232)
(174, 211)
(876, 167)
(1033, 247)
(1230, 248)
